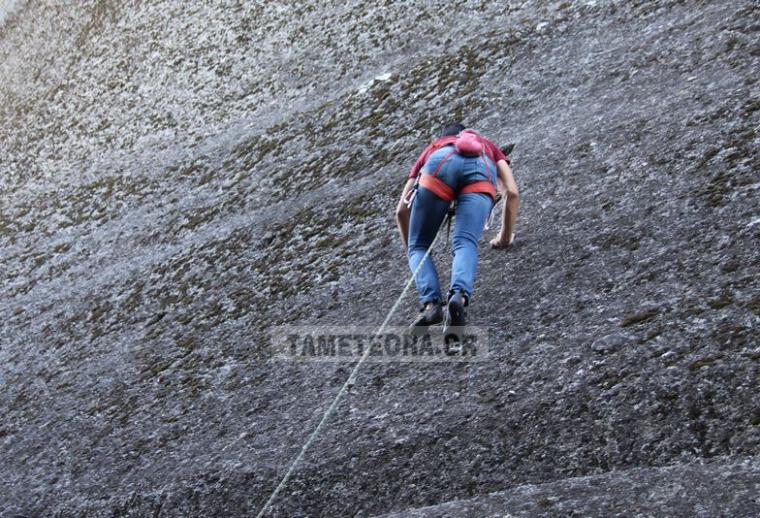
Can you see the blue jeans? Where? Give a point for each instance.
(429, 211)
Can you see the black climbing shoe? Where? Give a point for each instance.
(430, 314)
(455, 317)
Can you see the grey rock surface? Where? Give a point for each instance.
(176, 178)
(725, 488)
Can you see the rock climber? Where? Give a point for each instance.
(464, 167)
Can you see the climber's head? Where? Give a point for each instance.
(452, 128)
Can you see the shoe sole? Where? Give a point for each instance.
(421, 329)
(456, 315)
(455, 322)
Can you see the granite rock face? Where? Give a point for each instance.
(177, 178)
(733, 487)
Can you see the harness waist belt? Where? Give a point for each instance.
(445, 192)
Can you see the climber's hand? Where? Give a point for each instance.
(502, 242)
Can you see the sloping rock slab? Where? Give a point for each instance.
(722, 488)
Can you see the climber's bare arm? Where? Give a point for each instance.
(402, 213)
(508, 188)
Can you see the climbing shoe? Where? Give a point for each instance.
(430, 314)
(455, 316)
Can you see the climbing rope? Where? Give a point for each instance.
(350, 382)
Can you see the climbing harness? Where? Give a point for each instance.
(468, 143)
